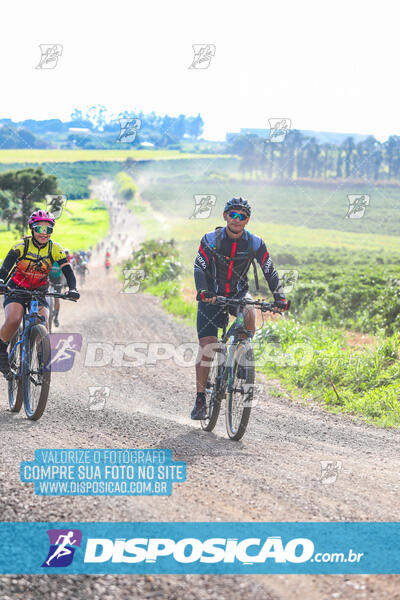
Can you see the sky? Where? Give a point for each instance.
(327, 66)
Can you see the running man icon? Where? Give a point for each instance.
(63, 349)
(62, 549)
(62, 542)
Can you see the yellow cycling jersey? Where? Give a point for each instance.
(34, 264)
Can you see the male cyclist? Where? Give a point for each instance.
(27, 266)
(222, 262)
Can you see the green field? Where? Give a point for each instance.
(41, 156)
(304, 204)
(298, 233)
(71, 231)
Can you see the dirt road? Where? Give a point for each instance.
(274, 474)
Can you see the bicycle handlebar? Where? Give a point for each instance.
(35, 294)
(261, 304)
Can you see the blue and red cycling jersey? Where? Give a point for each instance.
(219, 273)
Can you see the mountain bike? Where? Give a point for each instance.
(29, 356)
(232, 371)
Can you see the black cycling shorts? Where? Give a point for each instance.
(23, 301)
(210, 317)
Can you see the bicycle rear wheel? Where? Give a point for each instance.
(213, 391)
(14, 378)
(36, 376)
(240, 390)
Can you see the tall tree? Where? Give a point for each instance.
(28, 188)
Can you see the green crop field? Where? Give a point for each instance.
(309, 205)
(40, 156)
(293, 222)
(71, 231)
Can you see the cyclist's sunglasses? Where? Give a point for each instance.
(234, 215)
(43, 229)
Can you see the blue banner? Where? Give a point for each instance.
(219, 548)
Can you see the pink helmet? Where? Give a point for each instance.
(41, 215)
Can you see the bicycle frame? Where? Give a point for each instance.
(231, 337)
(237, 327)
(29, 320)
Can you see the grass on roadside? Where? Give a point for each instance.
(314, 360)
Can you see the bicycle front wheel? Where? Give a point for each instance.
(240, 390)
(36, 376)
(212, 391)
(14, 379)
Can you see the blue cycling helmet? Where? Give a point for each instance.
(238, 203)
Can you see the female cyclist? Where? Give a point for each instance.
(27, 266)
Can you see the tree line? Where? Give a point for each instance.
(300, 156)
(102, 129)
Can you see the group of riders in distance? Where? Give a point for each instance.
(220, 272)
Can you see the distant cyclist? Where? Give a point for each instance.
(82, 269)
(27, 266)
(222, 262)
(107, 260)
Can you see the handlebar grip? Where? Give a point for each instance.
(201, 294)
(285, 304)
